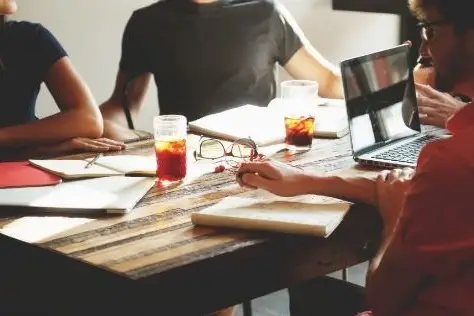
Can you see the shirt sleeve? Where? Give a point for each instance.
(47, 50)
(134, 59)
(287, 33)
(436, 227)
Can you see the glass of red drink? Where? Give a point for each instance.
(299, 99)
(170, 147)
(299, 132)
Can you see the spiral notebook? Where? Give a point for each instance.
(305, 215)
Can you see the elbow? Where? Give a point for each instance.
(91, 124)
(337, 89)
(96, 126)
(332, 87)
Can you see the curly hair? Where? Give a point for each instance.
(458, 12)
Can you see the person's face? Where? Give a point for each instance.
(446, 47)
(7, 7)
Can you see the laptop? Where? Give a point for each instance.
(382, 112)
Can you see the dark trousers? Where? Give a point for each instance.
(327, 296)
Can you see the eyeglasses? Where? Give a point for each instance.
(426, 28)
(211, 148)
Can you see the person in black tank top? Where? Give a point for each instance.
(209, 57)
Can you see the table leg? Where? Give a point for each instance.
(247, 308)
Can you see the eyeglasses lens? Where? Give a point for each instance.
(242, 148)
(212, 149)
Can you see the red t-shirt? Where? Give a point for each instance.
(437, 226)
(437, 229)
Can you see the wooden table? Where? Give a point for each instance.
(153, 261)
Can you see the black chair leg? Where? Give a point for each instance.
(247, 308)
(344, 274)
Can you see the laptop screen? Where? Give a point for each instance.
(380, 98)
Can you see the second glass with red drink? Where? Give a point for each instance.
(299, 98)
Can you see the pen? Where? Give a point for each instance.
(90, 163)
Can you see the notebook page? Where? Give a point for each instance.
(115, 194)
(259, 123)
(330, 121)
(129, 164)
(71, 169)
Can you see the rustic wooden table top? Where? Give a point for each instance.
(199, 268)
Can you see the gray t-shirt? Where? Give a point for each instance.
(206, 58)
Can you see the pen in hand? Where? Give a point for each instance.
(90, 163)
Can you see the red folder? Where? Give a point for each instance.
(22, 174)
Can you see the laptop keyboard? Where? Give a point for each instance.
(408, 152)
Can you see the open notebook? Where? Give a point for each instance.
(266, 126)
(117, 194)
(305, 215)
(103, 167)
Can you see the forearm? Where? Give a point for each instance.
(54, 129)
(355, 189)
(112, 111)
(332, 87)
(119, 132)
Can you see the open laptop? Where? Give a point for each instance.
(382, 110)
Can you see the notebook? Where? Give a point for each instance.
(116, 194)
(266, 126)
(22, 174)
(305, 215)
(103, 167)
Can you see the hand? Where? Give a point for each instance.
(118, 132)
(436, 107)
(391, 188)
(277, 178)
(81, 144)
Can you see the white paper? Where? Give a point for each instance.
(111, 194)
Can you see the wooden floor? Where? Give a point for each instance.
(276, 304)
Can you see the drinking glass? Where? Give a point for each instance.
(170, 133)
(297, 104)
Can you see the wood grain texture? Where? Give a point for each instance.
(158, 234)
(157, 245)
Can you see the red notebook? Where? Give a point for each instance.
(22, 174)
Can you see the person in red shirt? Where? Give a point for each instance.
(447, 31)
(425, 264)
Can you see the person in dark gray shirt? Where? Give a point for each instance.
(210, 56)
